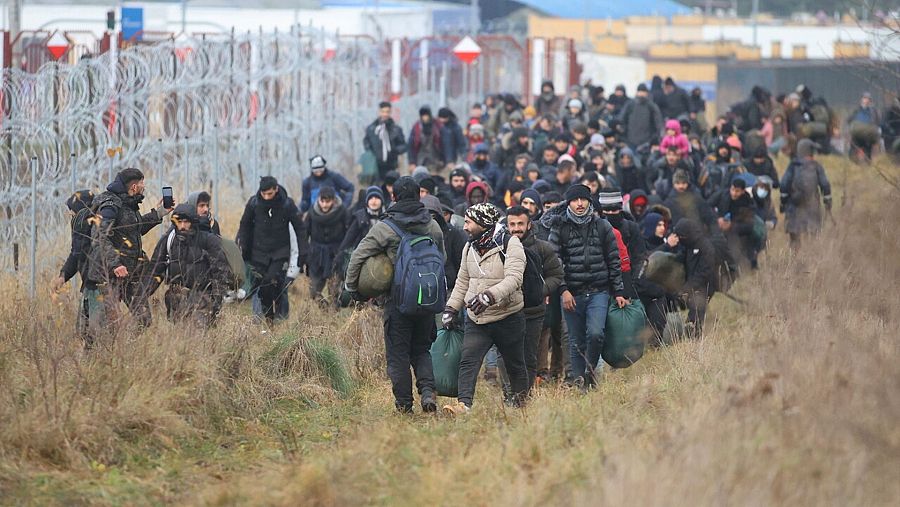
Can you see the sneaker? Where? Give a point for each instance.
(403, 408)
(455, 409)
(428, 403)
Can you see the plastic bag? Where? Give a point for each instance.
(446, 353)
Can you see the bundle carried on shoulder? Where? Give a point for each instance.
(376, 276)
(666, 270)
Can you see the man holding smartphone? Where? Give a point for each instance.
(118, 262)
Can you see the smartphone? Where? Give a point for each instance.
(168, 200)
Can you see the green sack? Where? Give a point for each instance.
(446, 353)
(235, 262)
(666, 270)
(760, 231)
(376, 276)
(625, 337)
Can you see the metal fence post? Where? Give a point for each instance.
(216, 163)
(74, 159)
(159, 172)
(187, 168)
(33, 285)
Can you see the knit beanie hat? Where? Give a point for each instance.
(610, 200)
(578, 191)
(681, 176)
(532, 194)
(374, 192)
(484, 214)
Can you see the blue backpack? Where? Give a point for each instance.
(419, 286)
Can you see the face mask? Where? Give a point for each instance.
(762, 193)
(615, 220)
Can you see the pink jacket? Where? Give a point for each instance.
(679, 140)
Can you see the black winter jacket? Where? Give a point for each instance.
(552, 269)
(263, 235)
(589, 253)
(116, 240)
(371, 142)
(77, 261)
(698, 255)
(194, 260)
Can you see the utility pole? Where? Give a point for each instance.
(474, 17)
(15, 18)
(184, 17)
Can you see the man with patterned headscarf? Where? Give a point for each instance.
(489, 287)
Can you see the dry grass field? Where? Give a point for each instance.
(791, 399)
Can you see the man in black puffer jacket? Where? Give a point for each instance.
(588, 249)
(265, 241)
(326, 226)
(117, 262)
(191, 261)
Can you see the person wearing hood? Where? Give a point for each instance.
(325, 227)
(616, 103)
(638, 202)
(547, 102)
(587, 246)
(737, 214)
(476, 192)
(760, 164)
(685, 201)
(79, 209)
(698, 255)
(265, 241)
(531, 201)
(407, 339)
(489, 289)
(575, 113)
(520, 225)
(762, 196)
(654, 229)
(483, 169)
(117, 258)
(79, 206)
(193, 265)
(804, 190)
(385, 140)
(459, 180)
(387, 187)
(630, 176)
(454, 239)
(718, 171)
(697, 111)
(674, 138)
(361, 221)
(454, 144)
(201, 202)
(641, 119)
(517, 143)
(665, 168)
(425, 144)
(674, 103)
(500, 117)
(322, 177)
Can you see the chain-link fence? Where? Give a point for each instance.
(211, 113)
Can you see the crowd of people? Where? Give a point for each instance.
(541, 217)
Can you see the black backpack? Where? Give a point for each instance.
(532, 278)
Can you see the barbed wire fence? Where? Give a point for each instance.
(212, 113)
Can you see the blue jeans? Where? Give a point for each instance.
(587, 324)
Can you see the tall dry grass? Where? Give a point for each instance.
(64, 408)
(789, 400)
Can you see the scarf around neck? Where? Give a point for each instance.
(580, 219)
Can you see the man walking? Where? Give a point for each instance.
(265, 241)
(385, 140)
(587, 246)
(489, 287)
(118, 262)
(407, 339)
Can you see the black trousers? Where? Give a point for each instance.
(407, 343)
(534, 325)
(270, 284)
(509, 336)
